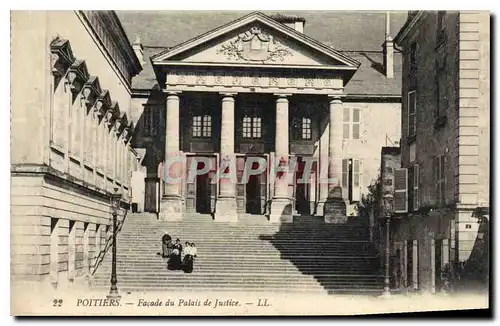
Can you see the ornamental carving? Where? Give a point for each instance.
(254, 45)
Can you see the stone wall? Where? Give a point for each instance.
(58, 232)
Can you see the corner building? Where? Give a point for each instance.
(442, 190)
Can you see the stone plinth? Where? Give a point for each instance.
(281, 211)
(171, 209)
(335, 208)
(226, 210)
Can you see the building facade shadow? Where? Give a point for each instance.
(339, 256)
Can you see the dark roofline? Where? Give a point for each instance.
(411, 21)
(287, 19)
(298, 35)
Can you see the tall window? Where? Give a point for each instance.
(306, 128)
(351, 123)
(352, 173)
(412, 113)
(202, 126)
(413, 193)
(252, 127)
(440, 178)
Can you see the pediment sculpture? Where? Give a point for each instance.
(254, 45)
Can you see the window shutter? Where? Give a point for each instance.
(400, 190)
(356, 123)
(356, 180)
(410, 188)
(416, 203)
(347, 122)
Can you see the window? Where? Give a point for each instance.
(401, 190)
(352, 174)
(301, 128)
(412, 109)
(351, 123)
(413, 196)
(252, 127)
(440, 179)
(202, 126)
(306, 128)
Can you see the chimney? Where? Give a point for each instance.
(295, 22)
(138, 49)
(388, 48)
(299, 26)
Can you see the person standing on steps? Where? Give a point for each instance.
(187, 264)
(194, 252)
(175, 262)
(166, 245)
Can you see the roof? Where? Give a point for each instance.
(357, 34)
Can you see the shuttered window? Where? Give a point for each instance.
(400, 190)
(351, 123)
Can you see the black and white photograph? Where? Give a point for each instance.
(243, 163)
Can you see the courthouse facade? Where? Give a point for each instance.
(260, 87)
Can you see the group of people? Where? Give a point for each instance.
(174, 252)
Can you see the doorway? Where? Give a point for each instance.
(302, 192)
(438, 260)
(203, 194)
(253, 195)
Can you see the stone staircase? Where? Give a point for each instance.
(251, 255)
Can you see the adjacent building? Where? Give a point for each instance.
(443, 185)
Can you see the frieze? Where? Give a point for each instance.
(247, 80)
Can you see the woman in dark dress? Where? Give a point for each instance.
(166, 245)
(175, 262)
(187, 264)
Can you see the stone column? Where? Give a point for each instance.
(335, 207)
(225, 208)
(171, 202)
(323, 165)
(281, 208)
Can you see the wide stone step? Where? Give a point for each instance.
(164, 284)
(199, 288)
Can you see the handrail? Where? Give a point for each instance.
(109, 244)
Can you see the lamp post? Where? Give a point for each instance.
(388, 209)
(115, 206)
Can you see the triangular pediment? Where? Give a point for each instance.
(255, 39)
